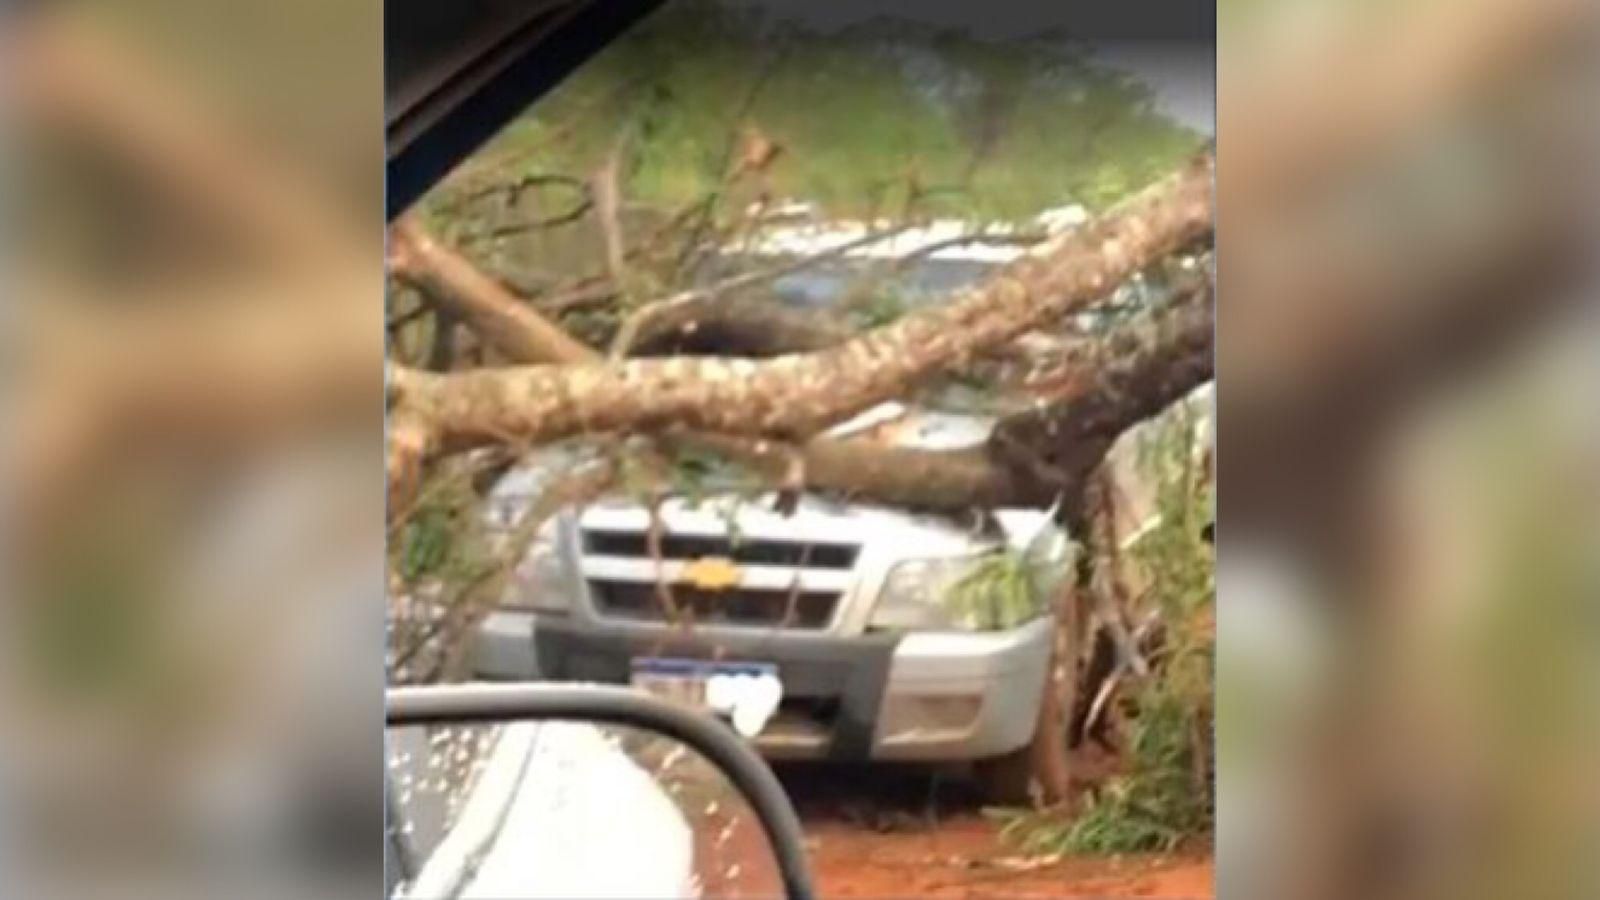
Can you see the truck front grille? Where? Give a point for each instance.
(771, 608)
(749, 551)
(785, 598)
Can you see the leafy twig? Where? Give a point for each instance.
(725, 167)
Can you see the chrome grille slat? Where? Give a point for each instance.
(758, 608)
(746, 551)
(785, 583)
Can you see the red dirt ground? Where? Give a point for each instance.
(963, 857)
(879, 832)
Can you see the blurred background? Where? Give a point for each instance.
(1409, 448)
(192, 669)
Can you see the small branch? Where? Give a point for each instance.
(726, 171)
(442, 355)
(1101, 698)
(585, 292)
(475, 600)
(577, 212)
(792, 604)
(653, 541)
(401, 320)
(1114, 680)
(746, 326)
(410, 440)
(1113, 587)
(512, 189)
(606, 191)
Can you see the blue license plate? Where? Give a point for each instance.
(684, 680)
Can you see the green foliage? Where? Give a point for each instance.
(1165, 793)
(697, 474)
(1153, 808)
(444, 539)
(1176, 556)
(639, 478)
(886, 119)
(107, 627)
(998, 593)
(99, 631)
(426, 544)
(868, 117)
(691, 469)
(880, 307)
(1165, 798)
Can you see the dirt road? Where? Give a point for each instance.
(962, 857)
(887, 833)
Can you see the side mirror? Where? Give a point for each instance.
(560, 790)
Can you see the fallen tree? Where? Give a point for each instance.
(791, 397)
(1096, 388)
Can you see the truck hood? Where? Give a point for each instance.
(817, 519)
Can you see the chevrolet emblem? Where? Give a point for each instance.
(712, 573)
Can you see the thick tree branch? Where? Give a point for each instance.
(1149, 366)
(499, 317)
(1033, 458)
(794, 396)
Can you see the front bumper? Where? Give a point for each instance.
(954, 696)
(920, 696)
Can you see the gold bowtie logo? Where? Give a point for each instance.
(712, 573)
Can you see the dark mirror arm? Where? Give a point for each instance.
(489, 703)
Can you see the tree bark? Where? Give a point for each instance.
(1099, 388)
(1050, 751)
(1032, 458)
(1146, 368)
(496, 315)
(796, 395)
(743, 326)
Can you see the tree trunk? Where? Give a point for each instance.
(1033, 457)
(1100, 388)
(794, 396)
(1050, 752)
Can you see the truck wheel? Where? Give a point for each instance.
(1006, 779)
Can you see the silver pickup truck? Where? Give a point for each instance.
(853, 604)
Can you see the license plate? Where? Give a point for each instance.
(684, 680)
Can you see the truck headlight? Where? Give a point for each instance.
(927, 595)
(543, 580)
(988, 592)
